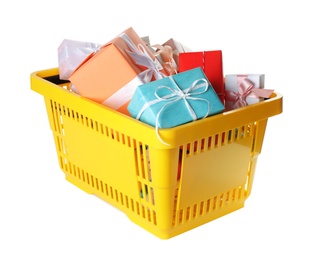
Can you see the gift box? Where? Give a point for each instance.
(72, 53)
(177, 48)
(212, 65)
(164, 54)
(175, 100)
(244, 89)
(111, 75)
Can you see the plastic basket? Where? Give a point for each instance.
(205, 173)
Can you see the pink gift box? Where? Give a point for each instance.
(244, 89)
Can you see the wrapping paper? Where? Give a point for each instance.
(72, 53)
(212, 65)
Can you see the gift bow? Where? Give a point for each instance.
(245, 89)
(166, 54)
(142, 58)
(176, 95)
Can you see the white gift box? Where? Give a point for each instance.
(72, 53)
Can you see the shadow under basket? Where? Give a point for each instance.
(205, 173)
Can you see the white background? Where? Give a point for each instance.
(42, 216)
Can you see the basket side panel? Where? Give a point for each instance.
(89, 150)
(110, 160)
(215, 165)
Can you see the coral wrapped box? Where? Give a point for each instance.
(112, 74)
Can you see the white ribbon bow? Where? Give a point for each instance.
(176, 95)
(142, 58)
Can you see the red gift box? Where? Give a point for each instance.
(212, 65)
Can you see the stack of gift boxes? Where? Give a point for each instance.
(154, 83)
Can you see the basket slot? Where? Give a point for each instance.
(143, 162)
(144, 174)
(149, 215)
(56, 113)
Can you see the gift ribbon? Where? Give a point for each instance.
(124, 94)
(245, 89)
(177, 94)
(165, 54)
(142, 58)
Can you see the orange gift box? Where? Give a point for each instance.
(112, 74)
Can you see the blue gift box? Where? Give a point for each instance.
(175, 100)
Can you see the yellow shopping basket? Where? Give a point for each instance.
(205, 173)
